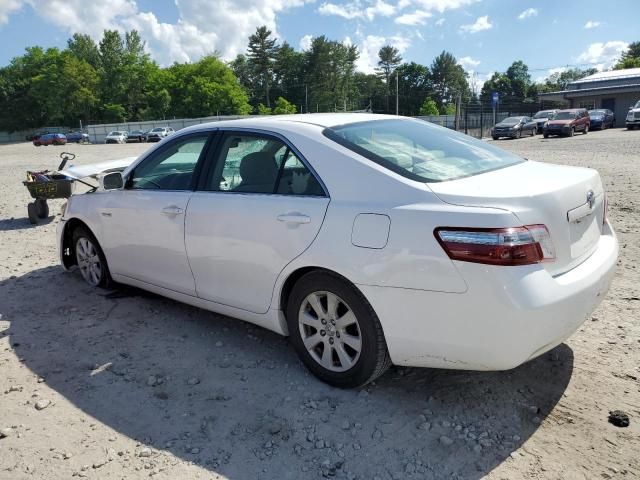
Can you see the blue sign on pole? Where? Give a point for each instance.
(494, 99)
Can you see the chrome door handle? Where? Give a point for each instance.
(294, 218)
(172, 211)
(105, 214)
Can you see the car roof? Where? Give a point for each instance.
(317, 119)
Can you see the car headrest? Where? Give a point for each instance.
(258, 168)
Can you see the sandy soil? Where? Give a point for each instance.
(136, 386)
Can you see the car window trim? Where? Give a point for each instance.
(196, 170)
(216, 157)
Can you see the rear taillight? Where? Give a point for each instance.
(497, 246)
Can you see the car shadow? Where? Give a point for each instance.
(8, 224)
(234, 399)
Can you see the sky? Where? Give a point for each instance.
(484, 35)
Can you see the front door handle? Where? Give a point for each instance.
(294, 218)
(172, 211)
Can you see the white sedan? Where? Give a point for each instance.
(367, 239)
(116, 137)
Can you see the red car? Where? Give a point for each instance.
(50, 139)
(568, 122)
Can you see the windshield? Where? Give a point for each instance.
(420, 150)
(597, 112)
(115, 134)
(157, 130)
(511, 120)
(564, 116)
(544, 114)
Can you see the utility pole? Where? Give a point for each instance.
(306, 99)
(397, 92)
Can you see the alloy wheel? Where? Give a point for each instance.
(330, 331)
(89, 261)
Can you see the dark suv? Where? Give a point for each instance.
(567, 122)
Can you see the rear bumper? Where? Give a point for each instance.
(507, 316)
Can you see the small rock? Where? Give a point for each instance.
(6, 432)
(219, 344)
(144, 453)
(152, 381)
(346, 425)
(193, 381)
(446, 424)
(99, 463)
(275, 428)
(377, 435)
(194, 451)
(619, 418)
(66, 456)
(42, 404)
(446, 441)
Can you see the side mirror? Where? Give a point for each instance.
(112, 181)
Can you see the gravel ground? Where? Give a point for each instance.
(136, 386)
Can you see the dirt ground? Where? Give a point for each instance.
(131, 385)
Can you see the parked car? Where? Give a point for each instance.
(633, 116)
(542, 117)
(32, 136)
(117, 136)
(601, 118)
(137, 136)
(473, 258)
(513, 127)
(50, 139)
(157, 134)
(78, 137)
(568, 122)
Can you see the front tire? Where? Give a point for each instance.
(572, 131)
(335, 331)
(90, 259)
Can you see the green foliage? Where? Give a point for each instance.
(263, 109)
(114, 113)
(449, 80)
(262, 50)
(630, 58)
(283, 107)
(429, 107)
(448, 109)
(559, 80)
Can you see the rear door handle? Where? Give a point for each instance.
(172, 211)
(294, 218)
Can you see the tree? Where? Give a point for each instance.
(111, 67)
(114, 113)
(630, 58)
(84, 48)
(414, 84)
(429, 107)
(559, 80)
(520, 80)
(262, 51)
(389, 59)
(289, 74)
(283, 106)
(449, 80)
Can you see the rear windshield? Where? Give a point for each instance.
(565, 116)
(544, 114)
(420, 150)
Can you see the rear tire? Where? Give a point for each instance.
(32, 213)
(545, 135)
(42, 208)
(90, 259)
(494, 137)
(335, 331)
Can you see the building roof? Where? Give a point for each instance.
(609, 76)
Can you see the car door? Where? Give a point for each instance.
(260, 205)
(143, 224)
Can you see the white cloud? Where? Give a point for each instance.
(468, 63)
(200, 29)
(603, 55)
(529, 12)
(550, 72)
(591, 24)
(305, 42)
(418, 17)
(482, 23)
(354, 9)
(440, 22)
(441, 5)
(7, 7)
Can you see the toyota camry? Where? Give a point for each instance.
(369, 240)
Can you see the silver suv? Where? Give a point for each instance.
(158, 133)
(633, 117)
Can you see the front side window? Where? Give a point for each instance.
(419, 150)
(171, 168)
(250, 163)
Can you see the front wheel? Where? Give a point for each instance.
(90, 259)
(335, 331)
(571, 132)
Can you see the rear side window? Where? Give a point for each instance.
(419, 150)
(251, 163)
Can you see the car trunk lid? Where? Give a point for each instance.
(568, 200)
